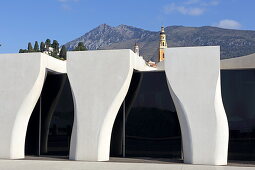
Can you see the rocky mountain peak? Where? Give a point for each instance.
(103, 28)
(233, 43)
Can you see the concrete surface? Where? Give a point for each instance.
(244, 62)
(99, 80)
(22, 77)
(193, 75)
(121, 164)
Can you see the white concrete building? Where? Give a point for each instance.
(109, 102)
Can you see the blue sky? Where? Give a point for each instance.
(24, 21)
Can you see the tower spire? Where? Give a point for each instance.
(162, 44)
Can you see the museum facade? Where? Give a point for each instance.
(96, 104)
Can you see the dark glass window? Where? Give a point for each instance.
(152, 128)
(238, 94)
(50, 125)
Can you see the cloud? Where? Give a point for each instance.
(193, 11)
(190, 7)
(229, 24)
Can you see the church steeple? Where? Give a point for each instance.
(162, 44)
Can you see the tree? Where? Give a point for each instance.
(47, 43)
(21, 51)
(54, 54)
(62, 53)
(80, 47)
(55, 46)
(29, 47)
(36, 47)
(42, 47)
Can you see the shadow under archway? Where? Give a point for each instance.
(151, 127)
(50, 125)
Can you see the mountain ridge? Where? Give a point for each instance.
(234, 43)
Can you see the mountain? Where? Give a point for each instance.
(234, 43)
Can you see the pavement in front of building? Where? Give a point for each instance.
(62, 163)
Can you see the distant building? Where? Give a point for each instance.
(136, 49)
(148, 63)
(162, 47)
(50, 50)
(162, 44)
(151, 64)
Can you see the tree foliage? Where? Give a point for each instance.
(36, 47)
(29, 47)
(80, 47)
(42, 47)
(53, 51)
(22, 51)
(62, 53)
(55, 45)
(48, 43)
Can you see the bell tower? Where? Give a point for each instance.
(162, 44)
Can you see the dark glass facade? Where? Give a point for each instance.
(50, 126)
(238, 94)
(151, 124)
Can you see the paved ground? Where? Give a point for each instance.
(61, 163)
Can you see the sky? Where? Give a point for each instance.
(24, 21)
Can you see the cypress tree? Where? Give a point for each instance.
(55, 46)
(36, 47)
(54, 54)
(62, 53)
(47, 43)
(42, 47)
(29, 47)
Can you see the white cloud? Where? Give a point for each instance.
(190, 7)
(193, 11)
(229, 24)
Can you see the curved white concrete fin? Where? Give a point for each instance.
(99, 81)
(194, 82)
(22, 78)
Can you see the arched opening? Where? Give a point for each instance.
(147, 124)
(50, 125)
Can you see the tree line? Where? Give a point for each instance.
(51, 49)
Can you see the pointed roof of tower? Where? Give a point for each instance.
(162, 31)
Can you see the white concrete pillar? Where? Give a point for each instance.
(193, 75)
(99, 81)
